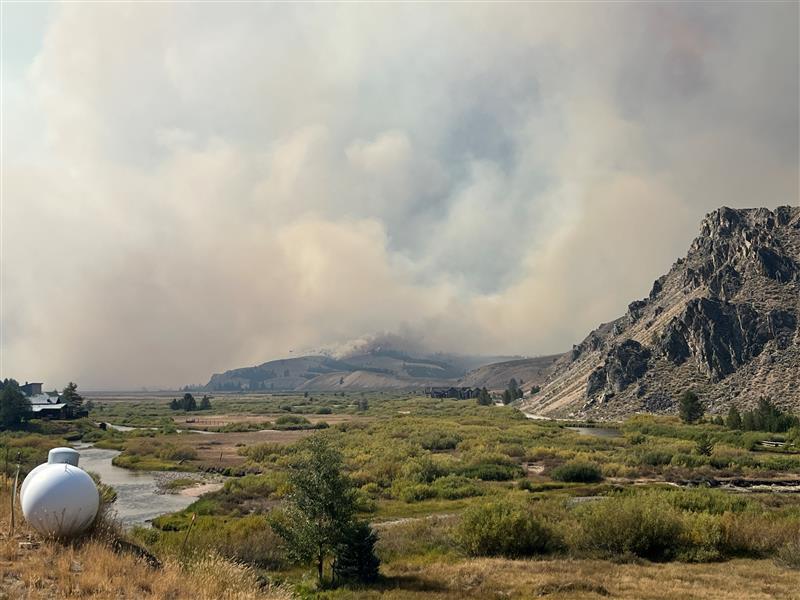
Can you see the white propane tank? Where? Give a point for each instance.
(58, 498)
(55, 456)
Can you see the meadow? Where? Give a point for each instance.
(468, 500)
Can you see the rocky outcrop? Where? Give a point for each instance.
(722, 336)
(723, 320)
(624, 364)
(736, 243)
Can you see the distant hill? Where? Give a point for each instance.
(375, 368)
(495, 376)
(723, 321)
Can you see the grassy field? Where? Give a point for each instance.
(35, 569)
(470, 501)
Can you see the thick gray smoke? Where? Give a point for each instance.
(193, 187)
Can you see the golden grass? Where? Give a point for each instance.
(565, 579)
(51, 570)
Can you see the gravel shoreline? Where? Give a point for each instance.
(164, 478)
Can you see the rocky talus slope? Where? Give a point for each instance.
(723, 321)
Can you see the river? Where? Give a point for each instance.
(601, 432)
(137, 501)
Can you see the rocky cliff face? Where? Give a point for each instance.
(723, 321)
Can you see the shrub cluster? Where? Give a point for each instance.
(577, 471)
(657, 525)
(503, 529)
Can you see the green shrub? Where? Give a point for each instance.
(177, 453)
(491, 472)
(635, 439)
(453, 487)
(643, 525)
(263, 453)
(438, 440)
(251, 486)
(422, 469)
(702, 537)
(291, 422)
(690, 461)
(413, 492)
(576, 471)
(364, 502)
(502, 529)
(372, 489)
(706, 500)
(655, 458)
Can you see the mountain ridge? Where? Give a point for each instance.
(722, 321)
(373, 368)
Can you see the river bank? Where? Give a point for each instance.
(138, 497)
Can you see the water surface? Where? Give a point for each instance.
(601, 432)
(137, 500)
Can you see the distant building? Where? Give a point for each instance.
(31, 389)
(460, 393)
(48, 405)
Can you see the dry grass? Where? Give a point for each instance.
(222, 449)
(32, 569)
(591, 580)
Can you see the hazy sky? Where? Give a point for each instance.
(193, 187)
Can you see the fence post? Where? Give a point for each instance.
(14, 494)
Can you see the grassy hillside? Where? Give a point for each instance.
(32, 568)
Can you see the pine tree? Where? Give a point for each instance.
(205, 403)
(734, 419)
(484, 398)
(14, 406)
(188, 402)
(71, 397)
(748, 423)
(690, 407)
(514, 390)
(507, 399)
(704, 445)
(355, 559)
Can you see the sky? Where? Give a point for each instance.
(193, 187)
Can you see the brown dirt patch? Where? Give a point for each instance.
(223, 448)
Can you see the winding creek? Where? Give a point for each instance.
(137, 499)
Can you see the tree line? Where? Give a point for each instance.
(188, 403)
(765, 416)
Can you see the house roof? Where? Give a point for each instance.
(44, 399)
(40, 407)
